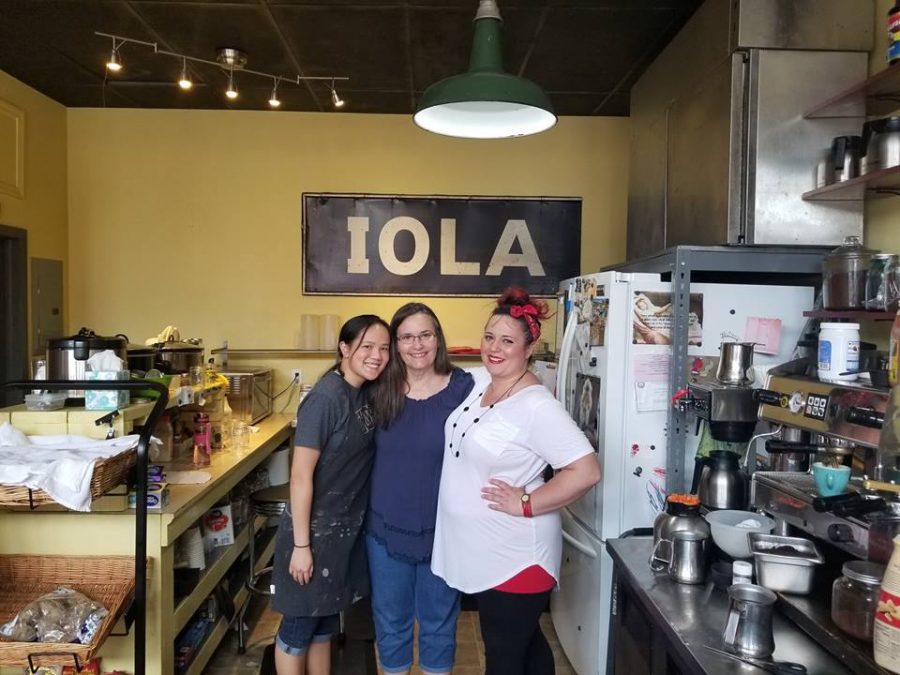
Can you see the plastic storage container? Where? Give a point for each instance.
(844, 273)
(854, 597)
(47, 400)
(838, 352)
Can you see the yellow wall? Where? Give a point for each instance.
(192, 218)
(882, 215)
(42, 210)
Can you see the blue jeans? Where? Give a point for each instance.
(297, 632)
(404, 592)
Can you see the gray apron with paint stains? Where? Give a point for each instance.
(340, 497)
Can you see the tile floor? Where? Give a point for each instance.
(356, 656)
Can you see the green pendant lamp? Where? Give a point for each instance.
(485, 102)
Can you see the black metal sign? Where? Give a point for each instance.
(416, 245)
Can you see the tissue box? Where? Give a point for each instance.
(108, 399)
(157, 496)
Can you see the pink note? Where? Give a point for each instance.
(766, 333)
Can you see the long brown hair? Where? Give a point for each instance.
(390, 393)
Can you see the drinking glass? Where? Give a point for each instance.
(240, 437)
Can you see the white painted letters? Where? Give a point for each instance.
(421, 246)
(449, 264)
(357, 263)
(503, 257)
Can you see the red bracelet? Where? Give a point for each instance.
(526, 506)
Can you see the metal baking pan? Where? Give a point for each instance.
(784, 564)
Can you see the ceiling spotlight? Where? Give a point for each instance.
(115, 63)
(231, 92)
(273, 99)
(335, 99)
(185, 80)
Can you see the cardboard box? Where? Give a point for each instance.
(218, 527)
(108, 399)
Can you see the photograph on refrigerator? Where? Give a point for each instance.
(587, 394)
(654, 315)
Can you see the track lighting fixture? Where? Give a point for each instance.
(336, 100)
(231, 92)
(185, 80)
(227, 58)
(115, 62)
(273, 99)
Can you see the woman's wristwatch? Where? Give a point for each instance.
(526, 505)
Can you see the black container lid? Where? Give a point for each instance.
(87, 335)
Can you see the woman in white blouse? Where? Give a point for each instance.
(498, 535)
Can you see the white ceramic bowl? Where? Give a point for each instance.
(723, 526)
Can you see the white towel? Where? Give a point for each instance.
(61, 466)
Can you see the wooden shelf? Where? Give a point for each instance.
(877, 95)
(212, 575)
(272, 352)
(854, 315)
(207, 649)
(880, 182)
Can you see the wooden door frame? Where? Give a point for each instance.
(13, 309)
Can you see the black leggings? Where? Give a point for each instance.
(510, 628)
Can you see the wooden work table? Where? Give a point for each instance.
(54, 530)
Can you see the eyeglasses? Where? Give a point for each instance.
(424, 337)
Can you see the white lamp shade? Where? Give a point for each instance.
(484, 119)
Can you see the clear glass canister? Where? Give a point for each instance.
(881, 283)
(854, 597)
(844, 273)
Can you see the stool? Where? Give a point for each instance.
(269, 502)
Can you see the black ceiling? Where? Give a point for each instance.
(585, 53)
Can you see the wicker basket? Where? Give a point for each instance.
(108, 580)
(108, 473)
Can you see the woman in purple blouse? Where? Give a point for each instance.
(417, 392)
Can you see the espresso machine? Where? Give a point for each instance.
(843, 420)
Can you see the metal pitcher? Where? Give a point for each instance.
(748, 629)
(735, 363)
(687, 556)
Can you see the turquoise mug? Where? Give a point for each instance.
(830, 480)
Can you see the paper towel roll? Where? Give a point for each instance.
(278, 467)
(309, 332)
(329, 331)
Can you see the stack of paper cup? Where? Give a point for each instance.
(309, 332)
(329, 332)
(278, 467)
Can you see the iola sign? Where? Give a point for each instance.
(414, 245)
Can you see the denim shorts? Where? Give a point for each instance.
(297, 632)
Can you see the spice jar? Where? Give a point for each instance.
(854, 597)
(844, 273)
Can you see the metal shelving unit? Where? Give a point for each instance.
(772, 265)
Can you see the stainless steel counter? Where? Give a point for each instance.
(691, 617)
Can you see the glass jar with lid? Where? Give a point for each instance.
(844, 273)
(854, 597)
(881, 283)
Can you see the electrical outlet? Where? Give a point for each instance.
(296, 376)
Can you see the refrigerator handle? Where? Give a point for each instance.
(565, 351)
(578, 546)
